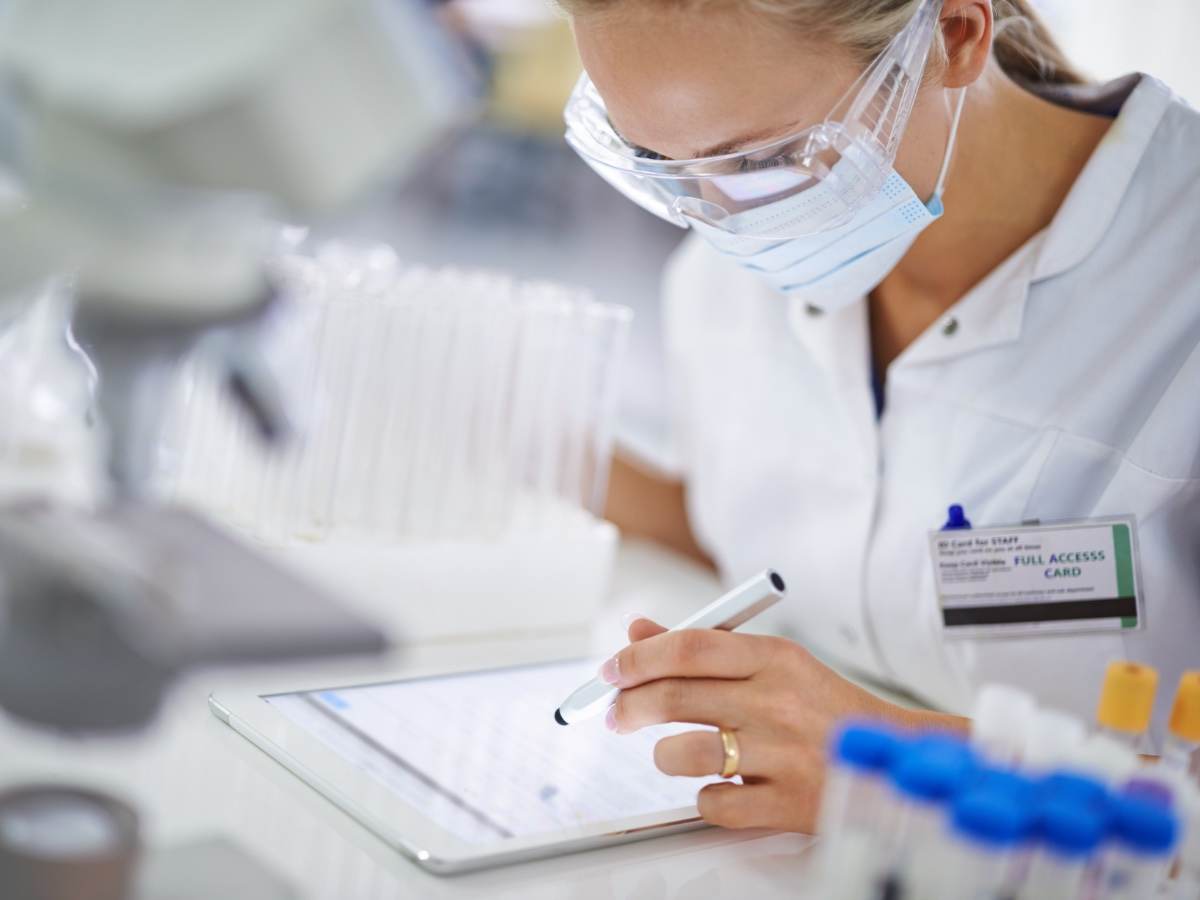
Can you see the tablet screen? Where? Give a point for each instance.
(481, 755)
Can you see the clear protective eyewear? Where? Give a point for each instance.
(849, 155)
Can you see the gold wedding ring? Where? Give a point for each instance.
(733, 754)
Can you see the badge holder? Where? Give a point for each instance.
(1071, 577)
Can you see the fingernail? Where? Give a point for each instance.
(629, 618)
(610, 672)
(610, 718)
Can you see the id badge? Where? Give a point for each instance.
(1026, 580)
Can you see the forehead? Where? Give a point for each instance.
(680, 82)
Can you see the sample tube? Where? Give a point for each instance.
(1000, 722)
(858, 810)
(1051, 739)
(989, 824)
(1187, 885)
(1106, 757)
(926, 777)
(1069, 829)
(1126, 702)
(1143, 836)
(1182, 749)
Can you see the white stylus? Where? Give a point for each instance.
(727, 612)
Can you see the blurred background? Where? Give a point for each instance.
(400, 332)
(510, 194)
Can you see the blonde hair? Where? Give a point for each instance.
(1023, 45)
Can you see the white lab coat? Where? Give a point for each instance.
(1065, 385)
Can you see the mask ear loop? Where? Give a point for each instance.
(950, 141)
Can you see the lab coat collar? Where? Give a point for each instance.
(1092, 203)
(991, 313)
(988, 315)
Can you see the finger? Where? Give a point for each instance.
(732, 805)
(699, 753)
(640, 629)
(702, 701)
(691, 653)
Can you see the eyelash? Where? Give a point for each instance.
(744, 165)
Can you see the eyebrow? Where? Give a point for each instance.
(718, 150)
(738, 143)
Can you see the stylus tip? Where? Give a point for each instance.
(558, 718)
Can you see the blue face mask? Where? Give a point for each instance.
(835, 268)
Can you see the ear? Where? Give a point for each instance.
(967, 34)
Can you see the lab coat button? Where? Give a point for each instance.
(813, 311)
(950, 327)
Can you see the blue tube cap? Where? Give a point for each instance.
(867, 746)
(1144, 826)
(1070, 827)
(993, 816)
(1076, 788)
(1006, 781)
(1150, 790)
(933, 769)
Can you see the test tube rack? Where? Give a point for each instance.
(449, 418)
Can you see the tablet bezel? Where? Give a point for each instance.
(397, 823)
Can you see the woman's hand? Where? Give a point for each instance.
(780, 702)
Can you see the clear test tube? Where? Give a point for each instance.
(1068, 832)
(193, 400)
(231, 461)
(1127, 703)
(858, 810)
(335, 492)
(460, 398)
(489, 367)
(492, 463)
(607, 328)
(303, 501)
(985, 840)
(308, 517)
(925, 777)
(395, 467)
(576, 377)
(297, 341)
(424, 477)
(460, 410)
(1000, 722)
(355, 497)
(553, 397)
(1181, 752)
(1143, 835)
(1187, 879)
(528, 405)
(379, 387)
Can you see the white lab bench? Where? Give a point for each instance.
(192, 778)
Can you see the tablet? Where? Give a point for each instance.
(467, 771)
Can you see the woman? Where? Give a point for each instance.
(976, 283)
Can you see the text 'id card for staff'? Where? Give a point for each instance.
(1034, 579)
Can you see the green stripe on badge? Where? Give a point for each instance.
(1123, 550)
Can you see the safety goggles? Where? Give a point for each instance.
(848, 156)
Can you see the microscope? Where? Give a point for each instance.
(158, 146)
